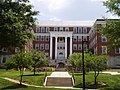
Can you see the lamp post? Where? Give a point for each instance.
(83, 66)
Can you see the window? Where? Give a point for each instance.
(74, 46)
(84, 38)
(79, 38)
(80, 30)
(79, 46)
(37, 38)
(42, 29)
(37, 29)
(42, 38)
(104, 49)
(36, 46)
(46, 46)
(47, 38)
(66, 28)
(17, 49)
(47, 54)
(117, 51)
(47, 29)
(41, 46)
(84, 29)
(61, 29)
(75, 29)
(4, 49)
(85, 46)
(104, 39)
(4, 59)
(56, 28)
(60, 53)
(75, 38)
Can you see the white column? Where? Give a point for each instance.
(70, 45)
(56, 47)
(65, 47)
(51, 47)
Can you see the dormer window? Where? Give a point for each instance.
(84, 29)
(47, 29)
(61, 29)
(42, 29)
(56, 28)
(66, 28)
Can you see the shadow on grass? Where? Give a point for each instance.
(34, 75)
(90, 85)
(15, 86)
(78, 74)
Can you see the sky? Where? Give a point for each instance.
(65, 10)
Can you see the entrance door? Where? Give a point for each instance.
(61, 65)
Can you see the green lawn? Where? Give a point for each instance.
(27, 78)
(112, 81)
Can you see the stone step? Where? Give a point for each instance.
(59, 81)
(60, 69)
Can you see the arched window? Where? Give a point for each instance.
(60, 53)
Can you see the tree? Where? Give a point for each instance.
(75, 60)
(39, 59)
(16, 23)
(19, 61)
(112, 29)
(97, 64)
(113, 6)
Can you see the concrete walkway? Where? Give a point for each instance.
(16, 81)
(112, 73)
(59, 74)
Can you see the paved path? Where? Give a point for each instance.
(16, 81)
(112, 73)
(60, 74)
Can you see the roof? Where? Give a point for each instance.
(65, 23)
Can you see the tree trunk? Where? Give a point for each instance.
(34, 69)
(95, 78)
(21, 75)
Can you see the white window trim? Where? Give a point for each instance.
(41, 46)
(117, 52)
(105, 50)
(103, 37)
(74, 45)
(36, 46)
(46, 46)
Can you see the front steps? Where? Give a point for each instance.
(61, 69)
(59, 79)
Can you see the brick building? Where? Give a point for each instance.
(59, 39)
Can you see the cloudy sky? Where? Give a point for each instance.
(70, 9)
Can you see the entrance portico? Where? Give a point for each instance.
(60, 46)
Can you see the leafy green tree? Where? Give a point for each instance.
(19, 61)
(16, 23)
(112, 29)
(39, 59)
(97, 64)
(113, 6)
(75, 60)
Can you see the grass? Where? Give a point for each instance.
(7, 85)
(27, 78)
(112, 81)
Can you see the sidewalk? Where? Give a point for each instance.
(16, 81)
